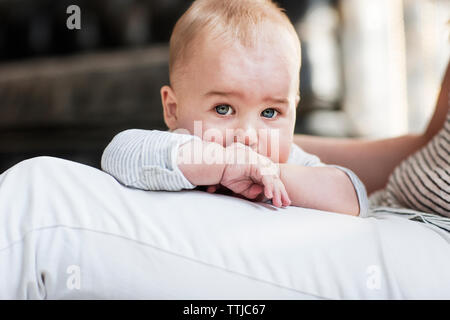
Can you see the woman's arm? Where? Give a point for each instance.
(371, 160)
(442, 105)
(374, 160)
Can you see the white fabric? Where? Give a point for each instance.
(57, 216)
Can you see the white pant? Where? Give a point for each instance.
(70, 231)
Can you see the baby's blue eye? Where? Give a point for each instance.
(269, 113)
(223, 109)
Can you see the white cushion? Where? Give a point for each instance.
(60, 221)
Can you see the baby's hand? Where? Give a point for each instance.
(250, 174)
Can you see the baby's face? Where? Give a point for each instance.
(239, 94)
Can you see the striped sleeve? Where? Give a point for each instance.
(146, 159)
(298, 156)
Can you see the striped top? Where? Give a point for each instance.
(422, 181)
(146, 159)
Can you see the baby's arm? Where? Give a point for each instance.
(146, 159)
(161, 160)
(324, 188)
(313, 184)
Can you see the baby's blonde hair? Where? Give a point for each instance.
(232, 20)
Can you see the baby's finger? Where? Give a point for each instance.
(276, 200)
(212, 189)
(284, 196)
(268, 187)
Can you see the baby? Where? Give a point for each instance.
(231, 109)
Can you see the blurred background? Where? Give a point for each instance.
(369, 69)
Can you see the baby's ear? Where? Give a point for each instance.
(169, 102)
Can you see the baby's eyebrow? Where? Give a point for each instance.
(222, 93)
(238, 94)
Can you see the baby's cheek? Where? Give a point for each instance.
(285, 150)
